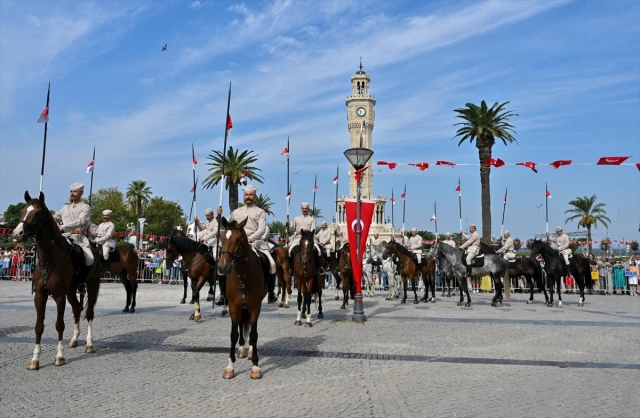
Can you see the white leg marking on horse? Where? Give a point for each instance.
(308, 319)
(59, 353)
(250, 350)
(299, 316)
(36, 353)
(90, 333)
(228, 234)
(76, 332)
(230, 365)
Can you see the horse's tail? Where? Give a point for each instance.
(246, 325)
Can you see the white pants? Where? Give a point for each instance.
(472, 252)
(83, 242)
(565, 254)
(264, 249)
(327, 250)
(509, 255)
(418, 254)
(296, 241)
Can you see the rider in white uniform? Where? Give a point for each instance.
(104, 237)
(562, 241)
(210, 232)
(507, 249)
(472, 244)
(415, 245)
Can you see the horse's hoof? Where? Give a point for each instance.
(255, 373)
(182, 301)
(59, 361)
(320, 315)
(298, 323)
(224, 312)
(125, 310)
(241, 353)
(580, 304)
(433, 300)
(449, 296)
(337, 297)
(89, 349)
(196, 317)
(423, 300)
(191, 317)
(459, 303)
(559, 304)
(403, 301)
(34, 365)
(132, 310)
(209, 298)
(286, 305)
(529, 302)
(415, 301)
(191, 302)
(308, 324)
(467, 305)
(73, 343)
(281, 305)
(494, 304)
(228, 374)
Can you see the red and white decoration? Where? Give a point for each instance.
(367, 208)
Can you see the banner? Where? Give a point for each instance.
(367, 208)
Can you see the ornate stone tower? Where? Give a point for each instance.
(361, 108)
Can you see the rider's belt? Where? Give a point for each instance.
(76, 232)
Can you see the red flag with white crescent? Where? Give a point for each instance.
(90, 167)
(367, 208)
(229, 125)
(611, 160)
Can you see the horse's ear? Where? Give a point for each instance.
(27, 196)
(243, 223)
(224, 222)
(41, 198)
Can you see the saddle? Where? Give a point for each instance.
(78, 262)
(114, 255)
(477, 262)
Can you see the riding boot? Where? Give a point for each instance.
(222, 281)
(271, 285)
(290, 272)
(107, 268)
(468, 271)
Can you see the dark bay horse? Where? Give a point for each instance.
(427, 269)
(57, 276)
(197, 267)
(556, 268)
(305, 271)
(407, 267)
(246, 288)
(531, 270)
(346, 275)
(281, 259)
(185, 279)
(124, 265)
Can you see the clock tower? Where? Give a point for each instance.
(361, 115)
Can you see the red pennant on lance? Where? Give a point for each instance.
(44, 116)
(358, 173)
(285, 151)
(559, 163)
(529, 164)
(288, 195)
(638, 166)
(229, 125)
(459, 190)
(193, 188)
(548, 194)
(403, 195)
(422, 166)
(611, 160)
(335, 180)
(494, 162)
(433, 218)
(391, 165)
(393, 201)
(90, 167)
(366, 216)
(315, 187)
(440, 162)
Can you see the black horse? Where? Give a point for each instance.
(556, 268)
(531, 270)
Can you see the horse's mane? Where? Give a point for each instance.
(544, 247)
(401, 249)
(184, 243)
(46, 212)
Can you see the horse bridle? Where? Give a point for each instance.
(304, 260)
(29, 230)
(236, 257)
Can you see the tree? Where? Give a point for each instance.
(634, 246)
(163, 216)
(427, 236)
(264, 203)
(12, 215)
(517, 244)
(316, 213)
(138, 194)
(235, 165)
(588, 214)
(277, 227)
(485, 125)
(113, 199)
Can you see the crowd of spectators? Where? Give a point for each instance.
(18, 263)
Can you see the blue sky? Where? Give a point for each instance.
(570, 69)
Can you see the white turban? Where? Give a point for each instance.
(414, 229)
(472, 225)
(558, 228)
(250, 188)
(77, 187)
(107, 212)
(507, 232)
(304, 204)
(208, 211)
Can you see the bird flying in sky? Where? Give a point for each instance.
(164, 48)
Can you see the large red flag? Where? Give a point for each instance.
(366, 216)
(611, 160)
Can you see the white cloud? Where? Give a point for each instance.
(195, 4)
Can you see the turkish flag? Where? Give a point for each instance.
(44, 116)
(285, 151)
(529, 164)
(366, 216)
(391, 165)
(422, 166)
(229, 125)
(440, 162)
(611, 160)
(638, 166)
(494, 162)
(560, 163)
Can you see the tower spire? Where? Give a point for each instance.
(361, 66)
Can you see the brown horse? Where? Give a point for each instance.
(197, 267)
(407, 266)
(246, 288)
(305, 271)
(124, 264)
(281, 258)
(56, 275)
(346, 275)
(427, 269)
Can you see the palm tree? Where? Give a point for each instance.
(138, 196)
(588, 213)
(316, 213)
(264, 202)
(485, 125)
(235, 165)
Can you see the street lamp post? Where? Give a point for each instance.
(141, 221)
(358, 157)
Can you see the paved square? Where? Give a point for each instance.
(406, 361)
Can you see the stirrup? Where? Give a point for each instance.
(321, 271)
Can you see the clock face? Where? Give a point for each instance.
(361, 111)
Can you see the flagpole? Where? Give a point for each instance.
(403, 207)
(224, 159)
(435, 215)
(92, 169)
(194, 204)
(392, 205)
(44, 143)
(460, 203)
(504, 208)
(546, 206)
(315, 185)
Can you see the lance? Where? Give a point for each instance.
(315, 187)
(227, 127)
(393, 201)
(546, 206)
(404, 195)
(193, 202)
(504, 208)
(288, 196)
(335, 230)
(460, 203)
(44, 143)
(92, 168)
(435, 215)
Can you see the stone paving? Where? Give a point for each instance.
(406, 361)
